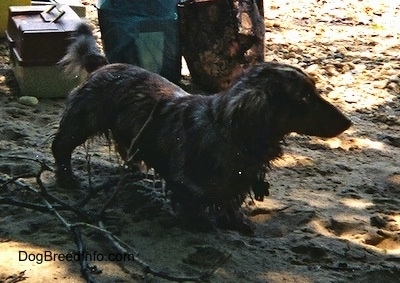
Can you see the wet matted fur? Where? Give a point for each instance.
(209, 149)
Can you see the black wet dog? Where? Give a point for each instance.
(209, 149)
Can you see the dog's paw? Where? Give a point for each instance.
(237, 222)
(67, 181)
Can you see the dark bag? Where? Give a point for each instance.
(143, 33)
(220, 38)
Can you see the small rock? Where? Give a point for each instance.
(351, 97)
(331, 70)
(28, 100)
(377, 221)
(342, 49)
(393, 182)
(269, 24)
(380, 84)
(312, 68)
(338, 55)
(276, 24)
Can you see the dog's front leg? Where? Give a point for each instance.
(188, 200)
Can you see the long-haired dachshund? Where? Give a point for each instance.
(209, 149)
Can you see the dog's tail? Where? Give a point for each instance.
(83, 52)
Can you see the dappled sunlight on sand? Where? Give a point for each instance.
(317, 199)
(12, 259)
(284, 276)
(338, 197)
(292, 160)
(351, 143)
(356, 203)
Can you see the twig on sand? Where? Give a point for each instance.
(178, 278)
(84, 218)
(86, 270)
(131, 155)
(14, 278)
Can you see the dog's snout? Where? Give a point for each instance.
(328, 121)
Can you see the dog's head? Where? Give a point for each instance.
(291, 101)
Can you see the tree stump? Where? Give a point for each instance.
(221, 38)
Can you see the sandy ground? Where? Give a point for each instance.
(334, 210)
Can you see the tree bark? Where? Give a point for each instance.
(221, 38)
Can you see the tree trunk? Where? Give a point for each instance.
(221, 38)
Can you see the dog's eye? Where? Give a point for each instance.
(303, 98)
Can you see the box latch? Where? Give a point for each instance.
(53, 13)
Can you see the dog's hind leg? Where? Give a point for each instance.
(79, 122)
